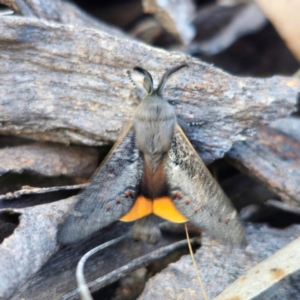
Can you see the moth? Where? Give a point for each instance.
(153, 170)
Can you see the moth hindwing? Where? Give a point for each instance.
(153, 170)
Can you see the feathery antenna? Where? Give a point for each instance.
(148, 81)
(166, 76)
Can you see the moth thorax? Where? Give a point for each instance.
(154, 126)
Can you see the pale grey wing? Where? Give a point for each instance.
(110, 194)
(197, 195)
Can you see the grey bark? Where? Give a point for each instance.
(49, 160)
(67, 84)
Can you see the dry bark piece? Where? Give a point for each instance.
(283, 206)
(75, 89)
(273, 159)
(274, 273)
(248, 20)
(30, 196)
(29, 190)
(131, 266)
(232, 2)
(40, 223)
(284, 15)
(31, 244)
(58, 274)
(220, 265)
(49, 160)
(61, 12)
(147, 30)
(175, 16)
(289, 126)
(211, 18)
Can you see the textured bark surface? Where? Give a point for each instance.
(248, 20)
(289, 126)
(28, 239)
(68, 84)
(159, 253)
(49, 160)
(60, 12)
(272, 158)
(278, 276)
(29, 196)
(31, 244)
(220, 265)
(63, 79)
(175, 16)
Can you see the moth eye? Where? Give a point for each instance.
(177, 195)
(196, 209)
(118, 201)
(187, 201)
(109, 207)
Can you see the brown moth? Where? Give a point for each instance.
(153, 170)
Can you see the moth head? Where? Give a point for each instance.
(148, 81)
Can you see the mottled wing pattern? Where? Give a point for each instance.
(197, 195)
(110, 194)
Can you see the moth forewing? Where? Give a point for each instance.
(111, 193)
(197, 195)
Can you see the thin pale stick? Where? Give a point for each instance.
(81, 283)
(194, 262)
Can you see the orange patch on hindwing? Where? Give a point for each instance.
(165, 208)
(142, 207)
(162, 207)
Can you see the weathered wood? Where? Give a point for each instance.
(220, 265)
(289, 126)
(30, 196)
(211, 18)
(273, 159)
(274, 274)
(284, 17)
(61, 12)
(130, 267)
(249, 20)
(19, 220)
(31, 244)
(68, 84)
(175, 16)
(49, 160)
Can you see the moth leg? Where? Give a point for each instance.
(186, 126)
(195, 123)
(183, 125)
(138, 94)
